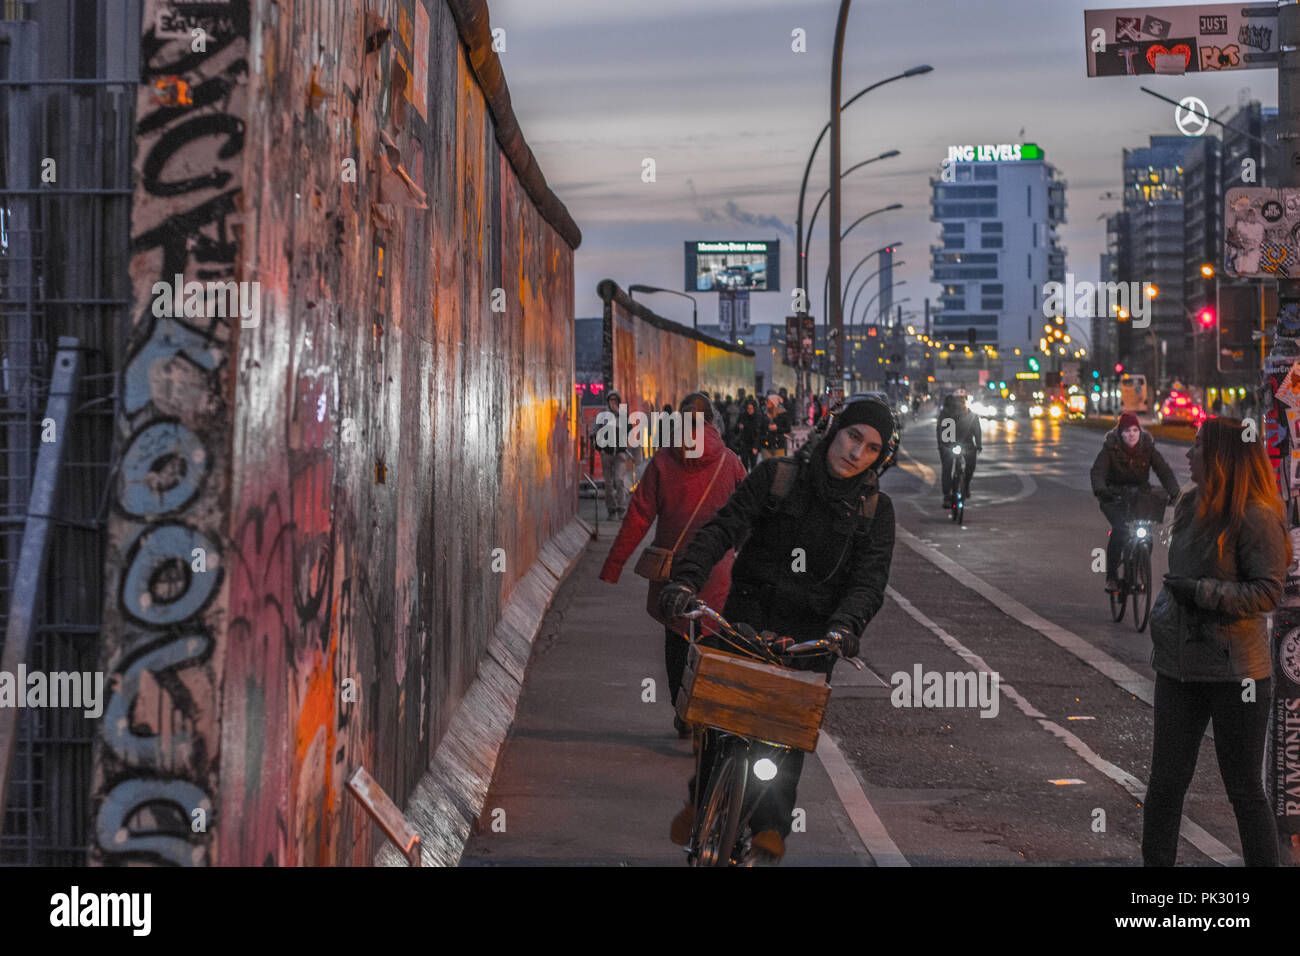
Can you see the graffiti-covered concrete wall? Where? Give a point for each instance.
(326, 498)
(654, 362)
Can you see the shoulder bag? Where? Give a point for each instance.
(655, 564)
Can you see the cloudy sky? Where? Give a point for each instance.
(711, 90)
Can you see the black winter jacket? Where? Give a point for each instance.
(838, 583)
(1115, 468)
(966, 430)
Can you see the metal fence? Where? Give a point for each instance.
(68, 80)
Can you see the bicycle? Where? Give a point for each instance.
(1144, 512)
(958, 507)
(745, 760)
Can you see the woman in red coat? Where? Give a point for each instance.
(676, 481)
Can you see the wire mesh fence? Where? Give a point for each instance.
(67, 99)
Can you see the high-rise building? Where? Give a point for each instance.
(999, 245)
(1154, 242)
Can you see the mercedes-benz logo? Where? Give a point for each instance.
(1191, 116)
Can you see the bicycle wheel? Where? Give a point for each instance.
(1141, 588)
(1119, 597)
(720, 822)
(961, 511)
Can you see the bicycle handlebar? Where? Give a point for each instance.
(814, 648)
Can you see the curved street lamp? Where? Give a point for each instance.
(812, 222)
(866, 310)
(900, 262)
(826, 284)
(801, 273)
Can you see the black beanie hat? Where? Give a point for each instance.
(865, 411)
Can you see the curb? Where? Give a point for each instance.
(452, 792)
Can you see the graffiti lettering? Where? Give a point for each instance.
(159, 618)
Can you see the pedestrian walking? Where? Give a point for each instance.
(827, 506)
(751, 432)
(1227, 562)
(778, 426)
(1124, 464)
(615, 456)
(678, 494)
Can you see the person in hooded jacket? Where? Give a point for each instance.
(751, 432)
(1228, 560)
(957, 425)
(844, 525)
(1122, 468)
(778, 426)
(678, 493)
(615, 458)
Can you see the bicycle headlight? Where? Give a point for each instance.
(956, 449)
(764, 769)
(1141, 532)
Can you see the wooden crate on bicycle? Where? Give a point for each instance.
(746, 697)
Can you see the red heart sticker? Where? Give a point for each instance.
(1155, 49)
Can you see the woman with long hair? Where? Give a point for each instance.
(1228, 559)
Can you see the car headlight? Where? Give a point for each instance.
(1009, 410)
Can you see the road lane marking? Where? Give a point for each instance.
(1194, 834)
(922, 471)
(1121, 674)
(871, 831)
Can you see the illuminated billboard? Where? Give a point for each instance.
(753, 265)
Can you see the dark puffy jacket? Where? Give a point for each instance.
(966, 428)
(767, 592)
(775, 438)
(1116, 468)
(751, 429)
(1225, 636)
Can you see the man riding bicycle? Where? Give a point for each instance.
(1123, 467)
(815, 539)
(957, 425)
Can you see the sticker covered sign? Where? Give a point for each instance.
(1209, 38)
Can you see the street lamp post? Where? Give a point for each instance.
(812, 222)
(826, 284)
(853, 309)
(801, 272)
(836, 318)
(695, 323)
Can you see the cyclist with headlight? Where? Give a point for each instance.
(815, 539)
(1122, 470)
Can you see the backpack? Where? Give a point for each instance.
(784, 480)
(787, 470)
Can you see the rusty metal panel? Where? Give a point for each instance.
(383, 430)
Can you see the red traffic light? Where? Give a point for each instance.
(1206, 316)
(1118, 368)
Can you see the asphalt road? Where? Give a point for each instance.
(1056, 776)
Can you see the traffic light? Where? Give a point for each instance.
(1096, 374)
(1119, 369)
(1206, 316)
(1032, 363)
(970, 336)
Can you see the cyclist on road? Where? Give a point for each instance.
(1123, 466)
(957, 425)
(816, 538)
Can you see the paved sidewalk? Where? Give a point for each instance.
(591, 775)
